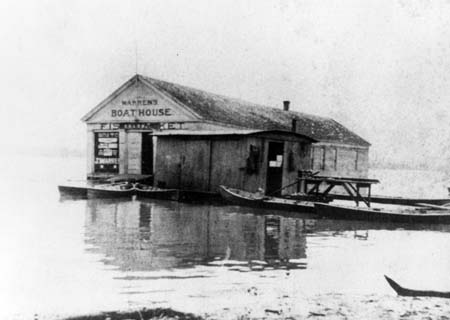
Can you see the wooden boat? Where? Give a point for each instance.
(73, 191)
(130, 178)
(403, 201)
(404, 215)
(244, 198)
(145, 191)
(415, 293)
(111, 191)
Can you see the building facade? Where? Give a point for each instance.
(191, 139)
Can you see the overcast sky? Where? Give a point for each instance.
(382, 68)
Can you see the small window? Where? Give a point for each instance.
(335, 158)
(318, 158)
(291, 161)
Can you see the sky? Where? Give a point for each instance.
(381, 68)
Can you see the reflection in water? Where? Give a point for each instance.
(155, 235)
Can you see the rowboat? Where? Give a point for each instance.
(72, 191)
(402, 214)
(415, 293)
(249, 199)
(145, 191)
(130, 178)
(403, 201)
(111, 191)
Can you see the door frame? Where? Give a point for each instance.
(270, 187)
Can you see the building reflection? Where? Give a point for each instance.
(140, 236)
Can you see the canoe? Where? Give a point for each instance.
(249, 199)
(403, 215)
(403, 201)
(73, 191)
(111, 191)
(415, 293)
(144, 191)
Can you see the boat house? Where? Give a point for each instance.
(195, 140)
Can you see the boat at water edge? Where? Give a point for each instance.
(73, 191)
(401, 214)
(144, 191)
(111, 191)
(249, 199)
(403, 201)
(415, 293)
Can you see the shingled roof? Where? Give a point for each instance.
(239, 113)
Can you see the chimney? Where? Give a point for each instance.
(294, 125)
(286, 105)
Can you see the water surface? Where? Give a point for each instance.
(65, 257)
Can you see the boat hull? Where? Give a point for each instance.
(370, 214)
(164, 194)
(109, 193)
(396, 200)
(72, 191)
(415, 293)
(232, 196)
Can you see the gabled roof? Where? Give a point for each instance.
(239, 113)
(242, 114)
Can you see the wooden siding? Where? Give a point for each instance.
(343, 161)
(227, 163)
(134, 152)
(205, 163)
(300, 161)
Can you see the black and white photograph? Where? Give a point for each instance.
(229, 159)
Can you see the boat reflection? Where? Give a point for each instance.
(142, 236)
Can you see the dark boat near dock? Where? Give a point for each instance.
(144, 191)
(403, 201)
(415, 293)
(402, 215)
(249, 199)
(111, 191)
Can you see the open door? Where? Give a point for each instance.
(147, 154)
(274, 168)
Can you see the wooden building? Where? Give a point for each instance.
(191, 139)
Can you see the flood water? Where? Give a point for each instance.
(74, 257)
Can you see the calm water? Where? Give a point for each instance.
(76, 257)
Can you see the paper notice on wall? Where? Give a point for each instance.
(279, 158)
(273, 164)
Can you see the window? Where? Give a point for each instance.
(318, 158)
(333, 158)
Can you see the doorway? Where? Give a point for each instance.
(147, 154)
(274, 168)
